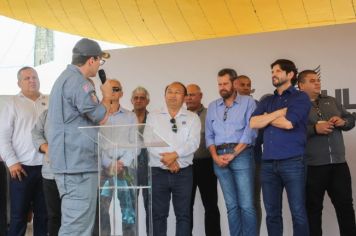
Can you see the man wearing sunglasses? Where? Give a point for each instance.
(115, 166)
(73, 104)
(172, 174)
(229, 139)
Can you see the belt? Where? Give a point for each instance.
(226, 146)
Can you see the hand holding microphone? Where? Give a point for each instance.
(102, 75)
(106, 89)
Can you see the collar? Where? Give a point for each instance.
(121, 110)
(220, 101)
(182, 111)
(201, 109)
(20, 94)
(291, 89)
(322, 96)
(76, 69)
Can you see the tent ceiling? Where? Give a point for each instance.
(151, 22)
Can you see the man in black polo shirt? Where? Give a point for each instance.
(325, 155)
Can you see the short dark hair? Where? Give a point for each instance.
(243, 77)
(228, 71)
(303, 74)
(177, 82)
(287, 66)
(80, 60)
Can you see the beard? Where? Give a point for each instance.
(279, 82)
(225, 94)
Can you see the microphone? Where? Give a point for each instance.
(102, 75)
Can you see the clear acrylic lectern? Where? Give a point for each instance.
(123, 172)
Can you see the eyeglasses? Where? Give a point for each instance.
(225, 113)
(174, 125)
(102, 62)
(116, 89)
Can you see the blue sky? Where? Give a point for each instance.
(16, 50)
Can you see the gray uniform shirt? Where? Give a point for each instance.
(39, 137)
(326, 149)
(202, 151)
(73, 103)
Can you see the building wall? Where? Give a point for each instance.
(198, 62)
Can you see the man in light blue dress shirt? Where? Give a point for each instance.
(229, 139)
(118, 160)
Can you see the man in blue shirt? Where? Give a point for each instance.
(119, 161)
(284, 119)
(229, 138)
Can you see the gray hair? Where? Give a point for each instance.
(22, 69)
(140, 89)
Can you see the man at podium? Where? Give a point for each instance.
(116, 163)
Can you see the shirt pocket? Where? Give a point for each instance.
(183, 131)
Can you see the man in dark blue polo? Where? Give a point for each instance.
(284, 119)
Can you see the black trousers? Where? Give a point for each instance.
(53, 205)
(3, 199)
(335, 179)
(205, 179)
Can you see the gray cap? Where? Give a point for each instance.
(88, 47)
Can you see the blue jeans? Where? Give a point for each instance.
(275, 176)
(237, 184)
(179, 185)
(23, 195)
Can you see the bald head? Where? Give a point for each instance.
(193, 98)
(193, 87)
(242, 85)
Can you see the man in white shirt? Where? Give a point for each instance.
(172, 172)
(17, 119)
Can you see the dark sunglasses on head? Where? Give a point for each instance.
(174, 125)
(116, 89)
